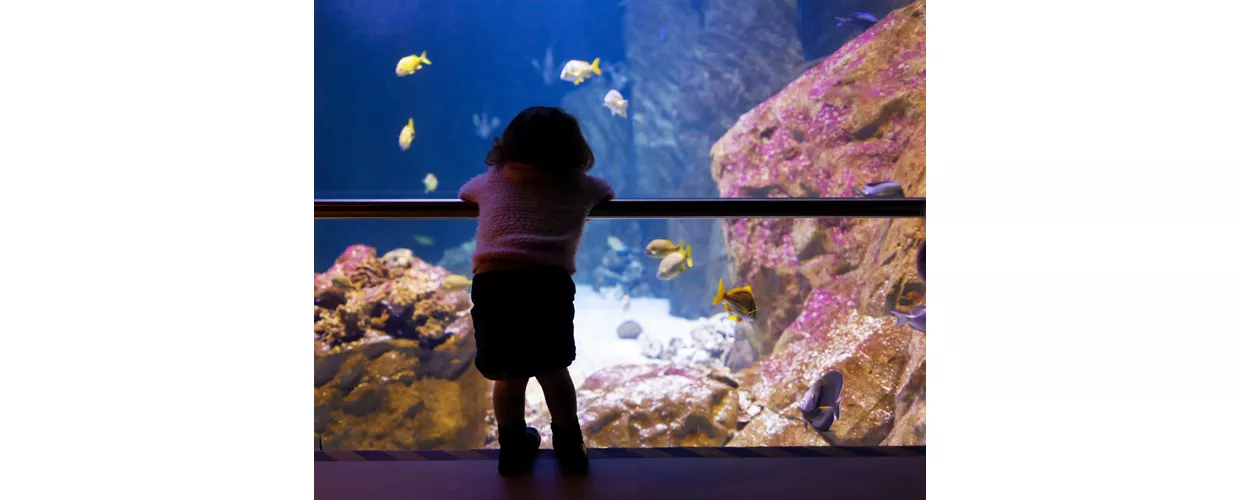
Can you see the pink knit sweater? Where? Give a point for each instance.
(529, 218)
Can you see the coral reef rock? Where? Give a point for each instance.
(707, 345)
(393, 360)
(629, 329)
(679, 109)
(825, 286)
(646, 406)
(857, 117)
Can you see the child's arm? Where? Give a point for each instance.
(469, 192)
(603, 190)
(600, 190)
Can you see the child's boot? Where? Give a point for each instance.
(570, 448)
(518, 448)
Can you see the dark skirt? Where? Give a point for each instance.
(523, 322)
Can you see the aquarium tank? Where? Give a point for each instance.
(691, 99)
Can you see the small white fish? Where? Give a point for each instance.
(577, 71)
(431, 182)
(915, 318)
(616, 103)
(406, 135)
(616, 244)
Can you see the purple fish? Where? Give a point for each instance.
(915, 318)
(821, 403)
(881, 189)
(861, 20)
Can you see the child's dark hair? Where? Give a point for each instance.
(546, 137)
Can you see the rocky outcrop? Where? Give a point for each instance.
(393, 361)
(825, 286)
(642, 406)
(689, 85)
(857, 117)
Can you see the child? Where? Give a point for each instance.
(532, 203)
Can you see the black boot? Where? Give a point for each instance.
(570, 448)
(518, 448)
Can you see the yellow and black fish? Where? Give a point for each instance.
(738, 301)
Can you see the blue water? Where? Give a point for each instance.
(480, 52)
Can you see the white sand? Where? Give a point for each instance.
(599, 347)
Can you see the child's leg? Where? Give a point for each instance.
(518, 445)
(570, 450)
(508, 399)
(561, 396)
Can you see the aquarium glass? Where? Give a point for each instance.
(717, 99)
(658, 363)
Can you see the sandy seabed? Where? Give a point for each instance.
(599, 347)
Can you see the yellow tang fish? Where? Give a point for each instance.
(408, 64)
(662, 248)
(423, 240)
(740, 301)
(406, 135)
(457, 282)
(577, 71)
(675, 263)
(431, 182)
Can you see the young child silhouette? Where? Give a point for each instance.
(532, 202)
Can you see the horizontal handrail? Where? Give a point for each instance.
(697, 208)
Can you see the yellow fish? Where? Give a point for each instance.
(577, 71)
(675, 263)
(740, 300)
(423, 240)
(406, 135)
(409, 64)
(431, 182)
(457, 282)
(343, 282)
(662, 248)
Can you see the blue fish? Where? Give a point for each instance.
(861, 20)
(662, 34)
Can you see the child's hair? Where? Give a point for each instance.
(546, 137)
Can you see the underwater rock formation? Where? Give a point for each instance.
(459, 259)
(620, 272)
(645, 406)
(393, 360)
(629, 330)
(825, 286)
(688, 87)
(857, 117)
(708, 344)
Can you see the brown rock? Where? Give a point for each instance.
(394, 360)
(650, 406)
(772, 429)
(857, 117)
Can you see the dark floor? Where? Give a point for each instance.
(890, 477)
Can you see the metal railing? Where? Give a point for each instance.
(706, 208)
